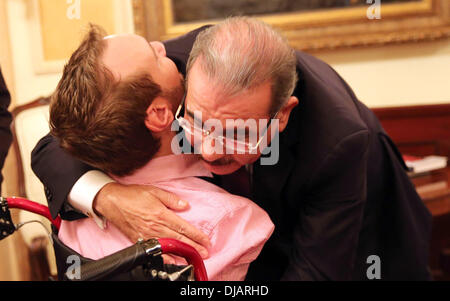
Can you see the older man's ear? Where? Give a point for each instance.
(159, 115)
(285, 112)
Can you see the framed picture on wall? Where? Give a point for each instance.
(310, 25)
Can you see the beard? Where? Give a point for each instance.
(175, 95)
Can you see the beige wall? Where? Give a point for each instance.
(397, 75)
(61, 35)
(36, 61)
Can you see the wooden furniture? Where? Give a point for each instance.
(422, 131)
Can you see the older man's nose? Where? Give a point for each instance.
(211, 149)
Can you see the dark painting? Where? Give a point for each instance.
(199, 10)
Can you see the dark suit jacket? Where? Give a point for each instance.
(5, 121)
(338, 194)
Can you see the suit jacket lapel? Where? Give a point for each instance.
(269, 182)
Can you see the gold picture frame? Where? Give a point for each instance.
(323, 29)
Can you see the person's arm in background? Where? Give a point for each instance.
(5, 121)
(328, 225)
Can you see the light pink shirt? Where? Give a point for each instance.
(236, 226)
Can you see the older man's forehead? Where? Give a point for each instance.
(248, 105)
(206, 95)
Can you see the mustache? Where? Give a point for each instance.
(219, 162)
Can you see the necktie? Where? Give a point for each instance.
(237, 183)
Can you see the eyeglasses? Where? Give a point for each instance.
(229, 143)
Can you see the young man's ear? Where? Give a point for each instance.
(285, 112)
(159, 115)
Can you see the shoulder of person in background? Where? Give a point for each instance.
(5, 122)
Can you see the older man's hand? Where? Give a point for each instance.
(143, 212)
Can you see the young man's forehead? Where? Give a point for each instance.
(127, 54)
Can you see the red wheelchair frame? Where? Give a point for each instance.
(159, 246)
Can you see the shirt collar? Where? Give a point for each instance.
(167, 168)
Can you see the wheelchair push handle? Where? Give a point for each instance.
(176, 247)
(139, 254)
(120, 262)
(27, 205)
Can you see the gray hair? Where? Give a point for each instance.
(242, 53)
